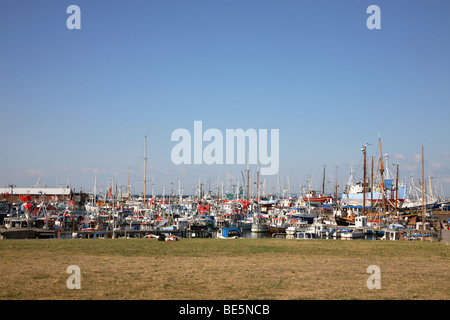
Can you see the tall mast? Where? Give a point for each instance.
(180, 195)
(336, 185)
(323, 181)
(145, 171)
(381, 174)
(257, 182)
(396, 190)
(429, 186)
(248, 177)
(218, 189)
(129, 187)
(364, 182)
(423, 200)
(94, 201)
(387, 165)
(371, 185)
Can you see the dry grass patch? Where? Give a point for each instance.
(198, 269)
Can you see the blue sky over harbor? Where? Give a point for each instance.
(78, 103)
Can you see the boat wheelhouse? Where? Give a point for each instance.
(229, 233)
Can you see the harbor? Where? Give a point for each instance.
(246, 152)
(334, 232)
(375, 208)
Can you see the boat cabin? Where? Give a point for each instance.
(361, 221)
(90, 225)
(392, 235)
(229, 233)
(14, 222)
(304, 235)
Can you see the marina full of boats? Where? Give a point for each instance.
(210, 217)
(377, 207)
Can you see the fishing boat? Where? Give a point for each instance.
(179, 224)
(90, 225)
(344, 221)
(337, 232)
(278, 225)
(296, 225)
(259, 224)
(313, 196)
(259, 227)
(392, 234)
(353, 233)
(319, 227)
(15, 221)
(302, 235)
(354, 195)
(246, 224)
(388, 190)
(307, 214)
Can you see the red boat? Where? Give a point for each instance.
(313, 196)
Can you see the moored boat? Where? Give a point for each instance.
(353, 233)
(229, 233)
(302, 235)
(259, 224)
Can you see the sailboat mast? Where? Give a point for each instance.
(145, 171)
(336, 185)
(381, 174)
(323, 181)
(364, 183)
(94, 201)
(396, 190)
(371, 185)
(129, 187)
(257, 182)
(423, 200)
(248, 177)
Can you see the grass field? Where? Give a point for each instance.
(248, 269)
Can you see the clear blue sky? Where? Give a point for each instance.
(78, 102)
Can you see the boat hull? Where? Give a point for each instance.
(342, 221)
(259, 227)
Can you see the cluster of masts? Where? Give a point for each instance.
(252, 188)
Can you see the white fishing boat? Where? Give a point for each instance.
(392, 234)
(259, 224)
(179, 224)
(322, 230)
(259, 227)
(302, 235)
(336, 232)
(14, 222)
(296, 226)
(319, 227)
(353, 233)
